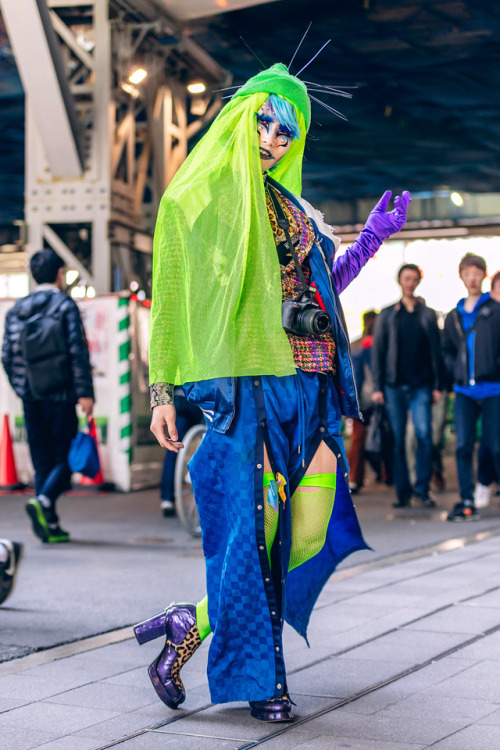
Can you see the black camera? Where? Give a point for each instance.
(303, 316)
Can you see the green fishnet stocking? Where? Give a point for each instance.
(311, 508)
(312, 505)
(271, 518)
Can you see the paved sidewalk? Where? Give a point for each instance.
(405, 654)
(125, 561)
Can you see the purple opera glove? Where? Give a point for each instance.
(378, 227)
(385, 223)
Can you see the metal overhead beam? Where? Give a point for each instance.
(204, 59)
(36, 50)
(69, 38)
(64, 3)
(187, 10)
(132, 147)
(65, 253)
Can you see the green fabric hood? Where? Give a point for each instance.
(277, 80)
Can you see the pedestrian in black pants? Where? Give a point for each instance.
(188, 416)
(406, 365)
(379, 460)
(46, 358)
(486, 470)
(471, 348)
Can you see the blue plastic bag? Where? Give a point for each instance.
(83, 456)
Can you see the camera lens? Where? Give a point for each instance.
(321, 322)
(313, 321)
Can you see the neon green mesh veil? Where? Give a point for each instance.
(216, 309)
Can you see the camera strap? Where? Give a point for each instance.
(284, 224)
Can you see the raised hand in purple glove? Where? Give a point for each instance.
(379, 226)
(384, 223)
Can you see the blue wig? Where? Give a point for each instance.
(284, 113)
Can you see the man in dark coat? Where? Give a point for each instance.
(406, 364)
(486, 470)
(46, 358)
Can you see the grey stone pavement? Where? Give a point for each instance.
(405, 640)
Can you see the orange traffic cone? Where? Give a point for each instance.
(98, 479)
(8, 472)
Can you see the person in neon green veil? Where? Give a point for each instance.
(213, 233)
(231, 246)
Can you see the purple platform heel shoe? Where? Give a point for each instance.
(178, 624)
(276, 709)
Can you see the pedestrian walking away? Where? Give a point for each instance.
(11, 554)
(381, 459)
(188, 416)
(471, 348)
(407, 373)
(46, 358)
(246, 316)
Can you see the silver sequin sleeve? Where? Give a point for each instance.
(161, 394)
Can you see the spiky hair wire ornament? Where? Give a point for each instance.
(313, 58)
(253, 53)
(319, 88)
(299, 46)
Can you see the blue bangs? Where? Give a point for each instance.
(285, 114)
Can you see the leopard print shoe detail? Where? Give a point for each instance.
(182, 640)
(184, 651)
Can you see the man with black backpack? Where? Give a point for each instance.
(46, 358)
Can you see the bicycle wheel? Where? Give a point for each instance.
(185, 504)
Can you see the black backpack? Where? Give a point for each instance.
(44, 346)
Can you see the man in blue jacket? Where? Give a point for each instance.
(471, 348)
(46, 358)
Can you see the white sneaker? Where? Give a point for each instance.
(482, 495)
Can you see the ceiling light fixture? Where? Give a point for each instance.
(137, 75)
(196, 87)
(71, 276)
(131, 90)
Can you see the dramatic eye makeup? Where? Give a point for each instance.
(266, 121)
(285, 132)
